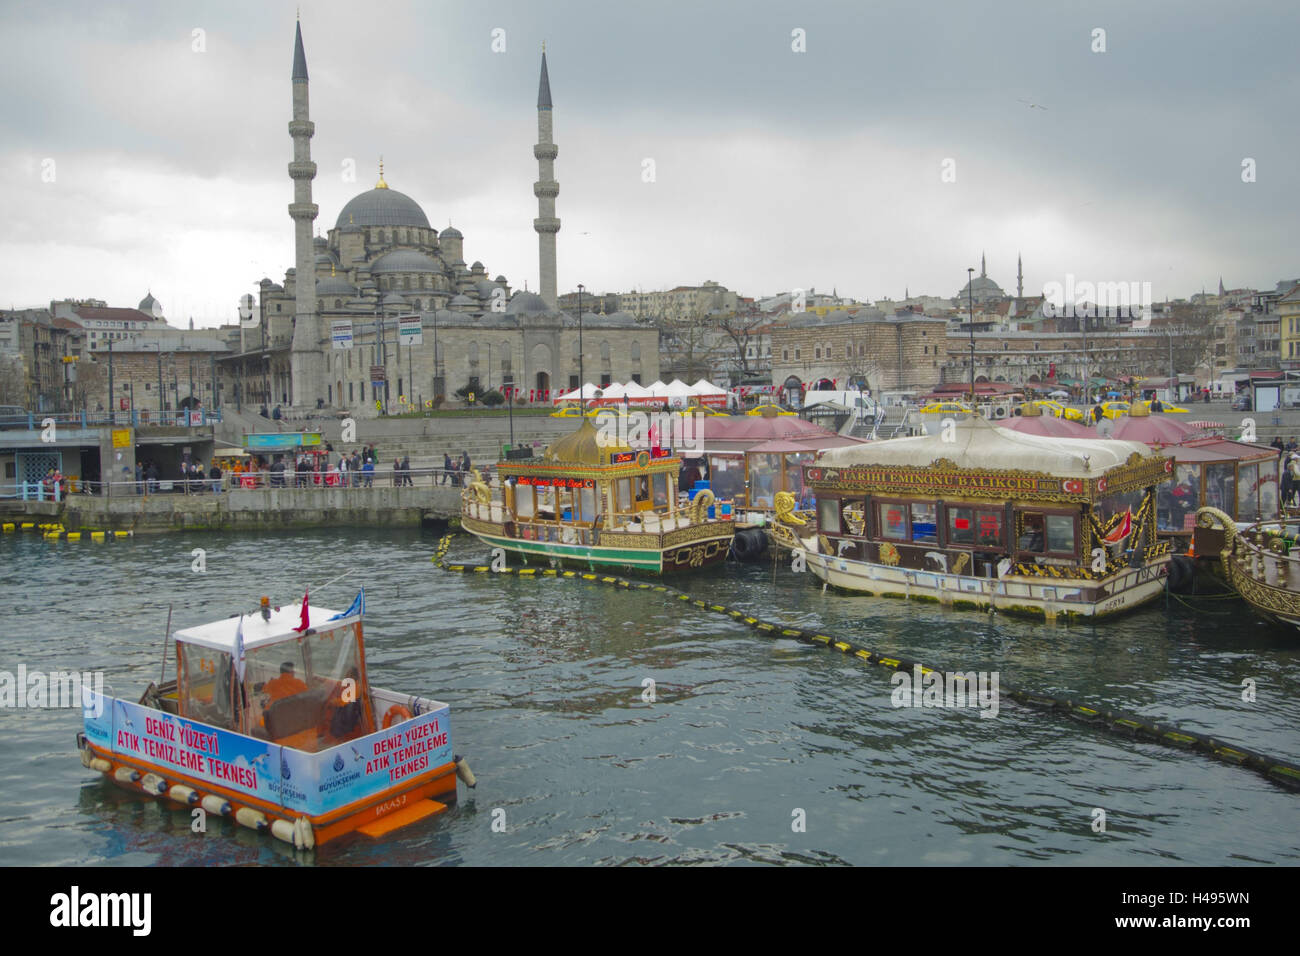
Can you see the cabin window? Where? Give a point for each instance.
(764, 476)
(1268, 493)
(524, 501)
(925, 526)
(1046, 534)
(586, 501)
(893, 520)
(972, 527)
(855, 517)
(794, 476)
(661, 490)
(828, 515)
(1060, 534)
(1221, 485)
(727, 475)
(623, 495)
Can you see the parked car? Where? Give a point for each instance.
(1242, 403)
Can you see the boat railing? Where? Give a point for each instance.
(1269, 552)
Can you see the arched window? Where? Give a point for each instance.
(406, 284)
(604, 352)
(473, 354)
(636, 351)
(338, 303)
(576, 353)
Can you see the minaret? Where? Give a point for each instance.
(546, 189)
(306, 359)
(983, 271)
(1020, 278)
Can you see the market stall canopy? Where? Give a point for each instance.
(1158, 429)
(1032, 421)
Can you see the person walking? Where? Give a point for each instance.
(446, 467)
(368, 472)
(465, 467)
(406, 471)
(343, 471)
(397, 472)
(215, 476)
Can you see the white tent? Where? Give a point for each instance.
(614, 393)
(709, 394)
(587, 392)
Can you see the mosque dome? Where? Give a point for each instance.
(451, 232)
(150, 306)
(523, 302)
(382, 206)
(462, 301)
(404, 260)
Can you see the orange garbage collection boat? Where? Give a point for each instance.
(272, 721)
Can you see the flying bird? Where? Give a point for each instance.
(1032, 105)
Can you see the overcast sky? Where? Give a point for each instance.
(135, 156)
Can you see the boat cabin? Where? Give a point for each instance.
(264, 675)
(977, 499)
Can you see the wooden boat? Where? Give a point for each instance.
(1261, 561)
(271, 721)
(598, 504)
(978, 516)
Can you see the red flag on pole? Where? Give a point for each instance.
(1122, 529)
(304, 623)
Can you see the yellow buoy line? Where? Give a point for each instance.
(56, 532)
(1101, 716)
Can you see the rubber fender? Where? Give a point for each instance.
(749, 544)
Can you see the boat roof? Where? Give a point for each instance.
(220, 635)
(977, 443)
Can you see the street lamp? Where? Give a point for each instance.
(510, 397)
(970, 297)
(582, 379)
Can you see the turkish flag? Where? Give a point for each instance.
(1122, 530)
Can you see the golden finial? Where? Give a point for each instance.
(543, 46)
(350, 219)
(381, 184)
(331, 270)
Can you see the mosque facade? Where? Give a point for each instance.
(391, 300)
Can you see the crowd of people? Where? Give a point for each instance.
(456, 471)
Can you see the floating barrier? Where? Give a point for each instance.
(58, 533)
(1101, 716)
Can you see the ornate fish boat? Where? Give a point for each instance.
(598, 504)
(272, 722)
(978, 516)
(1261, 562)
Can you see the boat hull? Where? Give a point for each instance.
(681, 550)
(372, 783)
(1047, 598)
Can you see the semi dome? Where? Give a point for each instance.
(335, 285)
(382, 206)
(451, 232)
(404, 260)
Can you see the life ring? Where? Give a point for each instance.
(397, 713)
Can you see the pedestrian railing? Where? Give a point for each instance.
(351, 481)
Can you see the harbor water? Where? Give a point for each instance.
(745, 749)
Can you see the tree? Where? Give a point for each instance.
(687, 345)
(746, 331)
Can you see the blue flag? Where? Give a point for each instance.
(358, 607)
